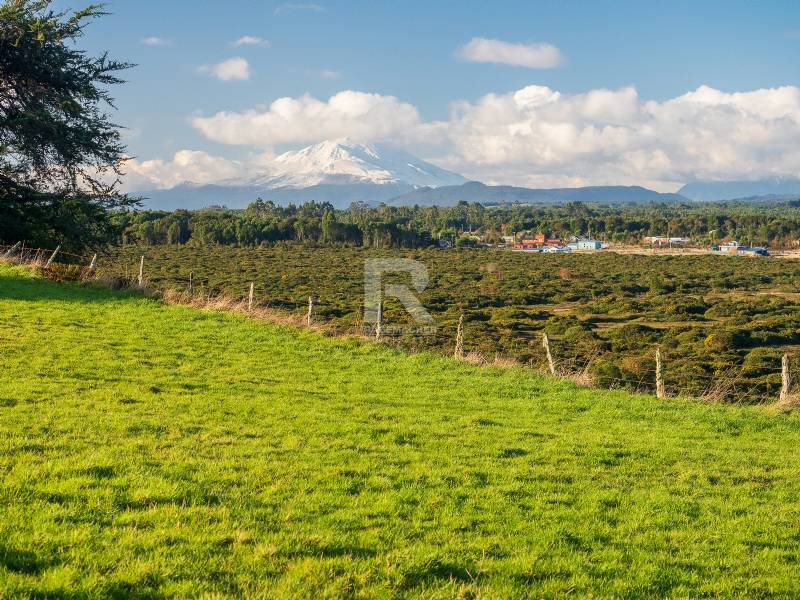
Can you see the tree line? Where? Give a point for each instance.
(774, 224)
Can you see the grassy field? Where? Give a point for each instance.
(719, 320)
(151, 450)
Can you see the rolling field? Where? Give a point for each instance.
(722, 322)
(150, 451)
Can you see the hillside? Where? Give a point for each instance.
(340, 195)
(157, 450)
(776, 187)
(474, 191)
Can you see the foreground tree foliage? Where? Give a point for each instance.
(60, 154)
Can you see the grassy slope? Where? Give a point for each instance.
(164, 450)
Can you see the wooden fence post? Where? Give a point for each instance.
(310, 314)
(93, 264)
(141, 271)
(660, 390)
(786, 379)
(459, 350)
(379, 324)
(11, 250)
(191, 283)
(52, 256)
(550, 364)
(250, 298)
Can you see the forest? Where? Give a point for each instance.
(774, 225)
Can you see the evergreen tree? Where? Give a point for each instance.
(60, 154)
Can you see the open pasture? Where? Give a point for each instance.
(158, 451)
(722, 322)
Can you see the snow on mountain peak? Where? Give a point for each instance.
(345, 161)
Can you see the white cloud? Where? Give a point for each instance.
(536, 135)
(533, 136)
(533, 56)
(298, 6)
(250, 40)
(330, 74)
(154, 41)
(306, 119)
(186, 165)
(233, 69)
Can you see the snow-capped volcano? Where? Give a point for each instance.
(347, 162)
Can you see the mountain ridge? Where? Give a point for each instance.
(711, 191)
(475, 191)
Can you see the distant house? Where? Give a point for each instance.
(526, 244)
(585, 245)
(742, 251)
(730, 247)
(659, 241)
(588, 245)
(541, 243)
(542, 239)
(735, 248)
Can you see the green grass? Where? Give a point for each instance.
(151, 450)
(714, 317)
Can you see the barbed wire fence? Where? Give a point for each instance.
(727, 386)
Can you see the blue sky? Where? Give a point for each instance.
(410, 50)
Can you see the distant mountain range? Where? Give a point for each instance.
(710, 191)
(343, 171)
(474, 191)
(191, 196)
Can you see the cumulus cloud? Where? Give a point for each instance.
(186, 165)
(350, 113)
(154, 41)
(233, 69)
(533, 56)
(612, 136)
(330, 74)
(534, 136)
(249, 40)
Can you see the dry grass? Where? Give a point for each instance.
(722, 388)
(500, 361)
(474, 357)
(792, 403)
(222, 303)
(582, 378)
